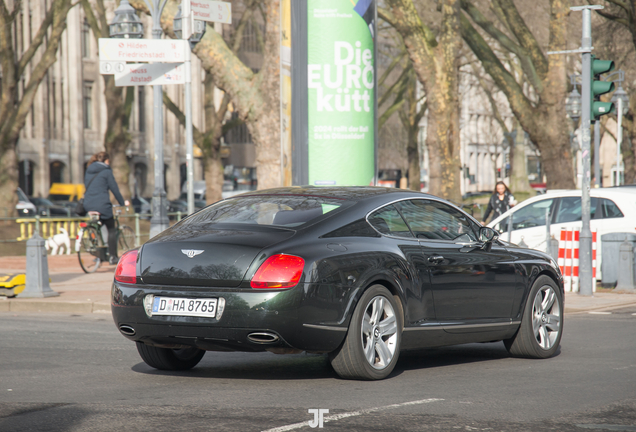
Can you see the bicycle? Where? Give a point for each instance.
(90, 246)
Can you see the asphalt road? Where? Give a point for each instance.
(76, 373)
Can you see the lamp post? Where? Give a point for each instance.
(126, 24)
(191, 30)
(621, 100)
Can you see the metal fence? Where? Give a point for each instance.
(49, 226)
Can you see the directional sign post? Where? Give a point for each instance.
(170, 64)
(212, 11)
(142, 50)
(150, 74)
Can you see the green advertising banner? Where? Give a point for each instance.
(341, 92)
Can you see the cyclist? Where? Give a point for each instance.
(99, 180)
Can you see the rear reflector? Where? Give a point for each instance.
(83, 224)
(127, 267)
(279, 271)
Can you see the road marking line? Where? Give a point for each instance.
(600, 313)
(634, 314)
(352, 414)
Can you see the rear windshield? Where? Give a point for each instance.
(276, 210)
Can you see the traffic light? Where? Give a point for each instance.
(599, 88)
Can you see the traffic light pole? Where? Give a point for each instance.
(585, 238)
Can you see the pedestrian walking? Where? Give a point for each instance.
(99, 180)
(500, 201)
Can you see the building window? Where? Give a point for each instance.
(86, 39)
(57, 171)
(25, 176)
(88, 105)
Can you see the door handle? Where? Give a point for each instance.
(435, 259)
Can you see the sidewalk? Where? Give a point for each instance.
(82, 293)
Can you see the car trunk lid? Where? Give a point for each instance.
(215, 257)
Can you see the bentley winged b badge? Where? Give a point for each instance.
(191, 253)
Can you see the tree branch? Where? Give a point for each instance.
(525, 37)
(174, 109)
(36, 41)
(507, 43)
(493, 66)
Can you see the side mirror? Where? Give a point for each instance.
(488, 235)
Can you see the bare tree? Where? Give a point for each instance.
(534, 84)
(254, 95)
(617, 39)
(209, 141)
(23, 69)
(119, 101)
(435, 55)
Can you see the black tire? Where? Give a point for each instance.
(381, 343)
(125, 239)
(170, 359)
(88, 253)
(541, 328)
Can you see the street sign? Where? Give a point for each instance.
(150, 74)
(142, 50)
(213, 11)
(111, 67)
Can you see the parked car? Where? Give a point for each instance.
(181, 204)
(612, 210)
(359, 273)
(46, 208)
(24, 207)
(66, 192)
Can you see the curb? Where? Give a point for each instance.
(54, 307)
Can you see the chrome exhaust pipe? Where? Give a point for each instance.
(127, 330)
(262, 337)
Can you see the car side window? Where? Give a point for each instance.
(532, 215)
(610, 210)
(570, 209)
(388, 221)
(434, 220)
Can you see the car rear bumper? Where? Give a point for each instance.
(278, 321)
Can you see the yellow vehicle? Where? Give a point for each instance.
(66, 191)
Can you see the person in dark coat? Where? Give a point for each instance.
(500, 202)
(99, 180)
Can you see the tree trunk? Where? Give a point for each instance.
(553, 141)
(9, 179)
(116, 137)
(519, 184)
(413, 156)
(435, 61)
(267, 134)
(213, 180)
(443, 139)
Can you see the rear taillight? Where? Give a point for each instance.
(127, 267)
(83, 224)
(279, 271)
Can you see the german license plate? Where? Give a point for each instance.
(195, 307)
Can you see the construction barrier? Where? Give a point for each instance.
(568, 260)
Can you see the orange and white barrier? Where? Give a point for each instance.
(568, 259)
